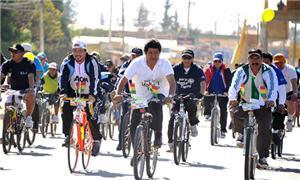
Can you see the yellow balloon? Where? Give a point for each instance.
(29, 56)
(268, 15)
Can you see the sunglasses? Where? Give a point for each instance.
(217, 61)
(15, 52)
(187, 57)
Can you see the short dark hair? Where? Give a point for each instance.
(153, 43)
(268, 55)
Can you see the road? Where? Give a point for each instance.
(46, 159)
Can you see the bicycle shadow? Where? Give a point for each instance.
(36, 154)
(108, 153)
(4, 169)
(286, 170)
(42, 147)
(290, 159)
(104, 174)
(198, 164)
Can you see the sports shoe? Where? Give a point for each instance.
(66, 142)
(29, 122)
(223, 135)
(289, 125)
(262, 163)
(96, 147)
(157, 140)
(55, 119)
(194, 131)
(240, 141)
(207, 117)
(119, 147)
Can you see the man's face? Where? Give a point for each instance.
(217, 63)
(16, 55)
(280, 65)
(152, 54)
(79, 54)
(42, 59)
(255, 62)
(133, 56)
(266, 60)
(187, 61)
(52, 72)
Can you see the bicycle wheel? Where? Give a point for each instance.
(104, 130)
(139, 153)
(248, 147)
(45, 122)
(151, 155)
(88, 146)
(73, 146)
(30, 136)
(213, 127)
(22, 135)
(273, 150)
(125, 135)
(279, 148)
(177, 144)
(53, 127)
(111, 122)
(7, 134)
(186, 142)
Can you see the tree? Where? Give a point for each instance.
(167, 20)
(175, 26)
(142, 20)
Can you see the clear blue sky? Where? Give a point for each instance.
(203, 15)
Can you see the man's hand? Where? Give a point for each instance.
(168, 100)
(294, 97)
(29, 91)
(117, 98)
(270, 103)
(92, 99)
(233, 103)
(281, 108)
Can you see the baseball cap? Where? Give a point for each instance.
(27, 47)
(137, 51)
(79, 44)
(218, 56)
(109, 63)
(42, 54)
(187, 52)
(125, 57)
(16, 47)
(257, 52)
(53, 65)
(279, 57)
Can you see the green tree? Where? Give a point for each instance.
(142, 20)
(167, 20)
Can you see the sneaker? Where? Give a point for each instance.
(29, 122)
(66, 142)
(55, 119)
(240, 141)
(207, 117)
(119, 147)
(131, 162)
(157, 141)
(171, 147)
(289, 125)
(194, 131)
(223, 135)
(262, 163)
(96, 147)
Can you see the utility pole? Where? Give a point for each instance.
(42, 47)
(110, 20)
(238, 28)
(123, 26)
(188, 17)
(295, 45)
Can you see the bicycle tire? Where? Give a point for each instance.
(151, 155)
(125, 135)
(279, 148)
(30, 136)
(45, 122)
(273, 151)
(253, 166)
(73, 145)
(186, 143)
(88, 146)
(177, 144)
(213, 129)
(104, 130)
(21, 139)
(111, 122)
(139, 153)
(53, 127)
(7, 137)
(247, 163)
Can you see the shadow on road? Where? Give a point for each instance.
(227, 145)
(102, 173)
(287, 170)
(3, 169)
(31, 153)
(290, 159)
(197, 164)
(42, 147)
(110, 154)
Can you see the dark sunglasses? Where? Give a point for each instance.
(217, 61)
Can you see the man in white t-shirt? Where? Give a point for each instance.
(146, 69)
(290, 76)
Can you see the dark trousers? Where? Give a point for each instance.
(208, 105)
(191, 107)
(125, 108)
(67, 117)
(157, 118)
(278, 120)
(263, 118)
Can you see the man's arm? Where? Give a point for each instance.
(31, 81)
(121, 85)
(202, 87)
(172, 84)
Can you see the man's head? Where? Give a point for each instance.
(152, 50)
(136, 52)
(267, 58)
(79, 50)
(218, 60)
(255, 59)
(124, 58)
(27, 47)
(110, 65)
(187, 57)
(279, 60)
(42, 57)
(17, 52)
(52, 70)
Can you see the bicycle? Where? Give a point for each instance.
(215, 120)
(250, 139)
(112, 120)
(80, 136)
(143, 146)
(14, 122)
(181, 132)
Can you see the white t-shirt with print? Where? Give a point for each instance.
(139, 72)
(80, 78)
(289, 73)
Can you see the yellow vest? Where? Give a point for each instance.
(50, 84)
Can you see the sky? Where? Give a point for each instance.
(204, 14)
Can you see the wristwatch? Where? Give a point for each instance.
(170, 96)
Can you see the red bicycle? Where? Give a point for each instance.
(80, 135)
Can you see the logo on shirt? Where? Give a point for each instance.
(23, 73)
(185, 83)
(81, 83)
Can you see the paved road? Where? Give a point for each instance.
(46, 159)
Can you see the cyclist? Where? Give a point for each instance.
(154, 69)
(290, 76)
(135, 52)
(44, 61)
(190, 79)
(79, 76)
(218, 78)
(21, 78)
(257, 84)
(50, 88)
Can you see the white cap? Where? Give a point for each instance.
(52, 65)
(79, 44)
(27, 47)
